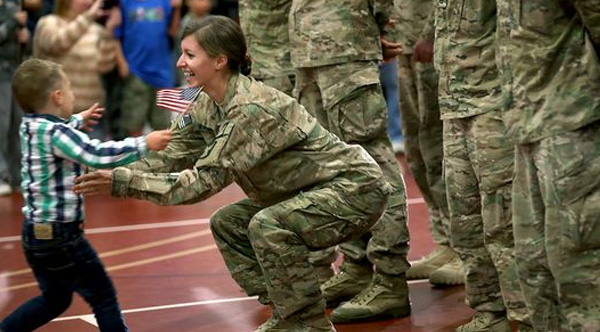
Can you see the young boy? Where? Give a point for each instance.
(62, 260)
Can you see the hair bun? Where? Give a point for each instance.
(246, 65)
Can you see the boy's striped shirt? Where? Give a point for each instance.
(52, 154)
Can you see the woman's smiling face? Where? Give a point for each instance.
(199, 68)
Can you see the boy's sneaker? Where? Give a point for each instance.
(5, 188)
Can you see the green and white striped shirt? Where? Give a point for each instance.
(53, 151)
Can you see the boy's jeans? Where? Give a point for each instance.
(64, 265)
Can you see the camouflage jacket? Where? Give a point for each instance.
(553, 80)
(265, 25)
(326, 32)
(465, 57)
(258, 137)
(413, 17)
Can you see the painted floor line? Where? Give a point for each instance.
(157, 225)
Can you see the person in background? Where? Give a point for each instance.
(72, 37)
(54, 150)
(144, 34)
(13, 34)
(306, 189)
(388, 75)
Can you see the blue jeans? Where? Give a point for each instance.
(388, 75)
(64, 265)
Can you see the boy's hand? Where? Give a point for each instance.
(91, 117)
(158, 140)
(390, 49)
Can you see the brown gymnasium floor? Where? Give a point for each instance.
(170, 276)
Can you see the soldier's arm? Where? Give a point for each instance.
(186, 145)
(168, 188)
(589, 11)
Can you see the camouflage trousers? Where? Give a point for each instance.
(556, 204)
(139, 105)
(478, 161)
(284, 84)
(422, 131)
(266, 249)
(347, 100)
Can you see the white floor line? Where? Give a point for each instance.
(90, 318)
(157, 225)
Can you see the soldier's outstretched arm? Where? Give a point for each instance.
(168, 188)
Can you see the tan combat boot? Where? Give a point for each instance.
(385, 297)
(450, 274)
(423, 268)
(351, 280)
(311, 319)
(485, 321)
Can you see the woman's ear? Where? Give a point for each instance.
(221, 62)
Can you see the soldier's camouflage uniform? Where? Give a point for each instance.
(306, 189)
(552, 104)
(478, 158)
(335, 47)
(265, 26)
(421, 123)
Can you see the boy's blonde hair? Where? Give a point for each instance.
(33, 82)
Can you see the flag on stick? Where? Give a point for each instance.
(176, 100)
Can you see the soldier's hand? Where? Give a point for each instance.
(158, 140)
(94, 183)
(423, 51)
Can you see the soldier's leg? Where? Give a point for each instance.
(424, 154)
(466, 228)
(494, 165)
(569, 170)
(537, 283)
(282, 236)
(229, 226)
(308, 94)
(357, 113)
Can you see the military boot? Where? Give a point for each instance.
(423, 268)
(323, 272)
(450, 274)
(386, 296)
(485, 321)
(351, 280)
(311, 319)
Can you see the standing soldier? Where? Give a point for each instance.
(336, 47)
(553, 114)
(265, 25)
(478, 161)
(422, 129)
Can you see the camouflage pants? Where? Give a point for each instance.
(478, 161)
(347, 100)
(556, 202)
(266, 249)
(282, 83)
(422, 131)
(139, 105)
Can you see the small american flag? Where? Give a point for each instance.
(176, 100)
